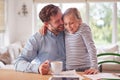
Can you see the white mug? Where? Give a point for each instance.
(56, 67)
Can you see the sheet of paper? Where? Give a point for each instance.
(102, 75)
(117, 74)
(71, 73)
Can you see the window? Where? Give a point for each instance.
(100, 22)
(118, 20)
(100, 16)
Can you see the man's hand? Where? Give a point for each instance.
(44, 68)
(43, 29)
(91, 71)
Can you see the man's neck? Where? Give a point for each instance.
(53, 30)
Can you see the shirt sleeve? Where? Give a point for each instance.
(87, 37)
(23, 62)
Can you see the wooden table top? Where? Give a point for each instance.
(7, 74)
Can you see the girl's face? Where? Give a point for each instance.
(71, 23)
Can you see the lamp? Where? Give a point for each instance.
(23, 10)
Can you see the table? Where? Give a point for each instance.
(7, 74)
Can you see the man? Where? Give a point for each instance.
(41, 49)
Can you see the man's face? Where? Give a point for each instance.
(56, 22)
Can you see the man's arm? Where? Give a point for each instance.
(43, 29)
(23, 62)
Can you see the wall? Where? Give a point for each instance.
(19, 26)
(11, 20)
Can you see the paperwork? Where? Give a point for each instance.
(102, 75)
(71, 73)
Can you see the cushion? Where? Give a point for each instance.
(2, 64)
(112, 48)
(5, 57)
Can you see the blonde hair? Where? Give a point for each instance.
(72, 11)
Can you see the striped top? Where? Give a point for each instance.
(80, 49)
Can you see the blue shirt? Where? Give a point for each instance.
(40, 48)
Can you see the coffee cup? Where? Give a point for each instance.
(56, 67)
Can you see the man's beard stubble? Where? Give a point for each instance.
(56, 31)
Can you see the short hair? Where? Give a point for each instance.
(72, 11)
(48, 11)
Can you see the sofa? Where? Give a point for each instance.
(10, 53)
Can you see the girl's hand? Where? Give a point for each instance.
(91, 71)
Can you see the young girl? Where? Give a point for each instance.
(80, 48)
